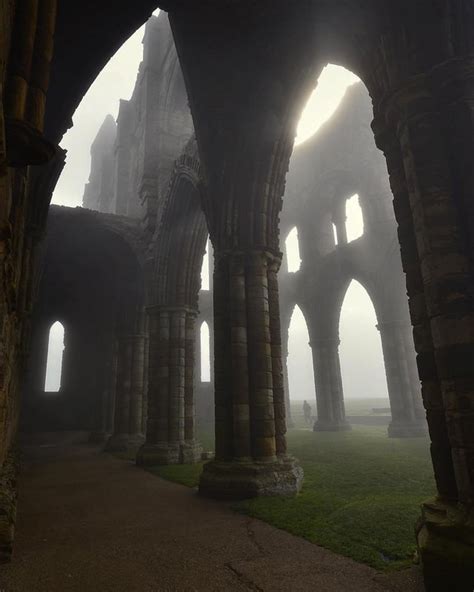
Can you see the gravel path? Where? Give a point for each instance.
(89, 522)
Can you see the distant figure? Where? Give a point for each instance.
(307, 412)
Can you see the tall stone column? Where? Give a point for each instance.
(329, 390)
(190, 449)
(244, 153)
(427, 135)
(251, 457)
(127, 435)
(170, 437)
(404, 390)
(286, 384)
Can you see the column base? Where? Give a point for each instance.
(191, 453)
(169, 454)
(124, 443)
(8, 500)
(99, 437)
(331, 426)
(240, 480)
(445, 534)
(397, 429)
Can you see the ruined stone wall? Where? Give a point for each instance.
(93, 284)
(99, 191)
(339, 161)
(152, 130)
(247, 82)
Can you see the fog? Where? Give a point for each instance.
(361, 353)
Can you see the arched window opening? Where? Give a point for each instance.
(205, 353)
(205, 285)
(334, 231)
(54, 362)
(354, 219)
(361, 356)
(324, 100)
(300, 362)
(293, 251)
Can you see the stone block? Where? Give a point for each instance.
(240, 480)
(445, 536)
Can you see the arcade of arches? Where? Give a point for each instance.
(203, 149)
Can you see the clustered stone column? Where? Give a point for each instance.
(170, 437)
(329, 390)
(130, 385)
(426, 131)
(404, 390)
(32, 40)
(190, 449)
(251, 457)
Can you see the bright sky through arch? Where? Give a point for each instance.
(115, 82)
(324, 100)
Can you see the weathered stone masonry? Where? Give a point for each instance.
(416, 61)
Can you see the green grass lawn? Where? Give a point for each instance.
(360, 498)
(360, 407)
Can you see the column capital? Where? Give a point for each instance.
(249, 256)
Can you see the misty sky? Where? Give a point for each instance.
(361, 353)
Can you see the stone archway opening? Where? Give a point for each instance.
(324, 100)
(300, 365)
(205, 269)
(54, 362)
(354, 218)
(292, 251)
(360, 351)
(205, 353)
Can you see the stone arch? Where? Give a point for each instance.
(180, 242)
(182, 235)
(298, 310)
(334, 279)
(357, 346)
(410, 71)
(75, 65)
(397, 347)
(93, 283)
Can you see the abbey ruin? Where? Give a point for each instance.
(201, 161)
